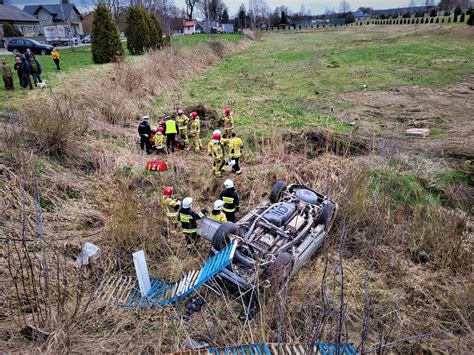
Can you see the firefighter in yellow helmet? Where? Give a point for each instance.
(182, 121)
(196, 130)
(172, 206)
(235, 152)
(228, 122)
(216, 213)
(216, 152)
(159, 140)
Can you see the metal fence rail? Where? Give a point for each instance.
(125, 292)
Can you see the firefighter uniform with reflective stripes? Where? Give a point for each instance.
(235, 152)
(195, 133)
(228, 125)
(160, 142)
(182, 121)
(231, 203)
(188, 219)
(218, 216)
(216, 151)
(172, 206)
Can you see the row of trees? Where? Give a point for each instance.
(143, 33)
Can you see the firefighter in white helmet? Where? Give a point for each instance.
(188, 219)
(216, 213)
(231, 200)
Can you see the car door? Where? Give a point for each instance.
(29, 44)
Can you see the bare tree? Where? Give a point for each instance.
(344, 7)
(190, 4)
(412, 3)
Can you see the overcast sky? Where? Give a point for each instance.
(317, 6)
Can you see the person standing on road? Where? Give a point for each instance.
(144, 130)
(7, 75)
(171, 129)
(55, 55)
(231, 200)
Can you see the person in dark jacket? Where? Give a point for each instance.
(188, 219)
(35, 70)
(144, 130)
(18, 67)
(7, 74)
(231, 200)
(26, 72)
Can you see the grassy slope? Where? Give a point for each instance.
(285, 81)
(80, 58)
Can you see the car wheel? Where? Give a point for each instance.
(327, 216)
(277, 189)
(43, 52)
(280, 270)
(222, 235)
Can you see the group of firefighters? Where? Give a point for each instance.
(223, 148)
(181, 212)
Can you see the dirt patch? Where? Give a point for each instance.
(317, 142)
(446, 111)
(209, 117)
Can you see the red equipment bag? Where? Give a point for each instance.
(156, 165)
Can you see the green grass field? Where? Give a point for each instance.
(286, 80)
(79, 58)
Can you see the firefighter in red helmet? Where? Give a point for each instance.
(216, 152)
(228, 122)
(172, 206)
(196, 131)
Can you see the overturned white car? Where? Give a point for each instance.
(274, 239)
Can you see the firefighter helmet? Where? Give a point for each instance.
(167, 191)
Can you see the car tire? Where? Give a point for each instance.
(280, 270)
(43, 52)
(221, 237)
(327, 215)
(277, 189)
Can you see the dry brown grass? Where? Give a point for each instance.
(417, 258)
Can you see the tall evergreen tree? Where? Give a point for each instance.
(10, 31)
(462, 18)
(137, 30)
(284, 18)
(225, 16)
(156, 36)
(106, 46)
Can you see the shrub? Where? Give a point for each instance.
(437, 20)
(56, 126)
(470, 21)
(432, 20)
(457, 11)
(455, 18)
(449, 19)
(463, 17)
(10, 31)
(106, 46)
